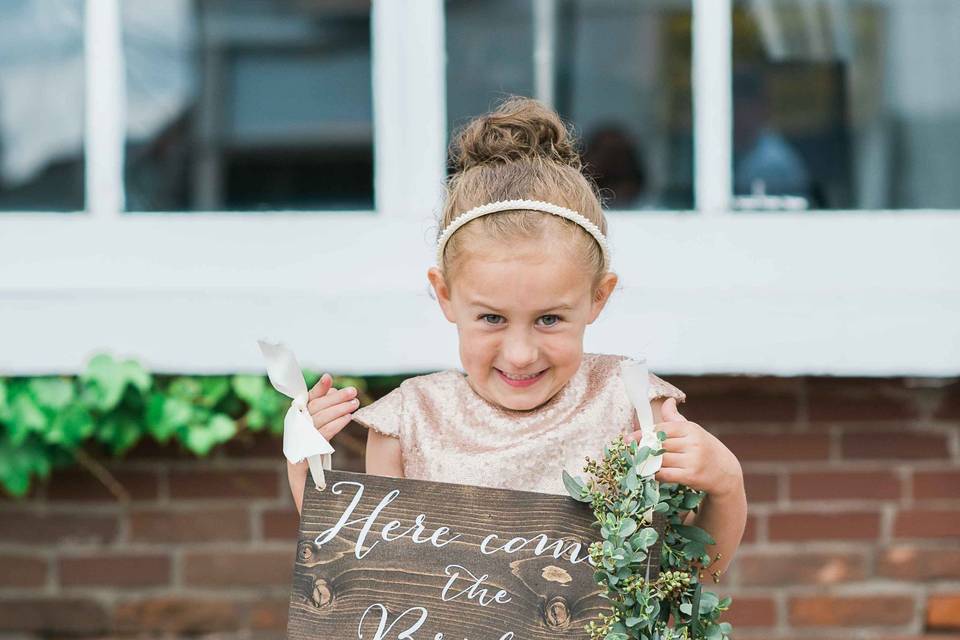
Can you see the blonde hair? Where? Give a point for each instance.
(521, 150)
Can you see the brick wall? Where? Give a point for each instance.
(853, 532)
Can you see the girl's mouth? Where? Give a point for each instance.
(521, 381)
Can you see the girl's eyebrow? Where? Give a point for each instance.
(560, 307)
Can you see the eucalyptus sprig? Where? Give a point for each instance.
(668, 606)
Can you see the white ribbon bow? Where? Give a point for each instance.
(300, 438)
(636, 378)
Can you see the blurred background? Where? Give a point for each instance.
(180, 178)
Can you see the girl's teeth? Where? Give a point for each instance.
(532, 375)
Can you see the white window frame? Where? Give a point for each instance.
(707, 291)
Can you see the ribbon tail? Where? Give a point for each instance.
(317, 464)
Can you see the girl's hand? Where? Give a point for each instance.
(331, 410)
(695, 457)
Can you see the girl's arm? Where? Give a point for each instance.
(723, 512)
(383, 455)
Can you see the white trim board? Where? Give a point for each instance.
(845, 293)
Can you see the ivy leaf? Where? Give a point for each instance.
(696, 534)
(213, 389)
(52, 393)
(166, 415)
(25, 417)
(249, 388)
(70, 427)
(118, 432)
(19, 463)
(105, 380)
(4, 405)
(200, 438)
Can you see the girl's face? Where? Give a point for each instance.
(520, 315)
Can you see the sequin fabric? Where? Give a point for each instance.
(449, 433)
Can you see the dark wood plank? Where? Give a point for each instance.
(401, 581)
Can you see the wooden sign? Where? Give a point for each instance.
(394, 559)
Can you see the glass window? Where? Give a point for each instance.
(619, 71)
(41, 105)
(846, 104)
(246, 105)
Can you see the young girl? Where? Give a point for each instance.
(522, 269)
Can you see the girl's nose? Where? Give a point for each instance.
(520, 353)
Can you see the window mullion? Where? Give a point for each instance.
(712, 105)
(104, 109)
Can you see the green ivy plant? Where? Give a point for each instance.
(53, 421)
(672, 605)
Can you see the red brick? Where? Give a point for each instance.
(760, 487)
(943, 612)
(778, 446)
(238, 568)
(844, 485)
(904, 562)
(816, 525)
(927, 523)
(125, 570)
(949, 408)
(57, 528)
(178, 615)
(933, 485)
(750, 530)
(53, 615)
(195, 525)
(860, 399)
(22, 571)
(280, 524)
(254, 445)
(739, 399)
(785, 569)
(239, 483)
(270, 613)
(746, 612)
(851, 611)
(79, 485)
(893, 445)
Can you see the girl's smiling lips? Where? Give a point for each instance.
(523, 382)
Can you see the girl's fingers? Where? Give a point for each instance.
(321, 388)
(324, 416)
(334, 427)
(672, 460)
(332, 397)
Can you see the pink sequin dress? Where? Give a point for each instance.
(449, 433)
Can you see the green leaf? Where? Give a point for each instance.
(4, 404)
(25, 417)
(692, 499)
(19, 463)
(52, 393)
(627, 527)
(213, 389)
(200, 438)
(118, 432)
(708, 601)
(167, 415)
(575, 488)
(691, 532)
(644, 538)
(686, 608)
(661, 435)
(70, 427)
(105, 380)
(249, 388)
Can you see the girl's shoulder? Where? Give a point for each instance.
(605, 364)
(386, 414)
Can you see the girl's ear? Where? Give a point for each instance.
(442, 291)
(607, 284)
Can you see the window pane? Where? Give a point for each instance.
(620, 74)
(244, 105)
(41, 105)
(847, 104)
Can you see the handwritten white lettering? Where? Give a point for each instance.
(474, 590)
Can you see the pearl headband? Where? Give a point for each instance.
(533, 205)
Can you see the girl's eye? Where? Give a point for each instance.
(491, 318)
(550, 320)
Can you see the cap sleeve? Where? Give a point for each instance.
(383, 415)
(660, 388)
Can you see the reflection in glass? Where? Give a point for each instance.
(847, 104)
(619, 71)
(41, 105)
(243, 105)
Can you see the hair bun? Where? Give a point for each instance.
(519, 129)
